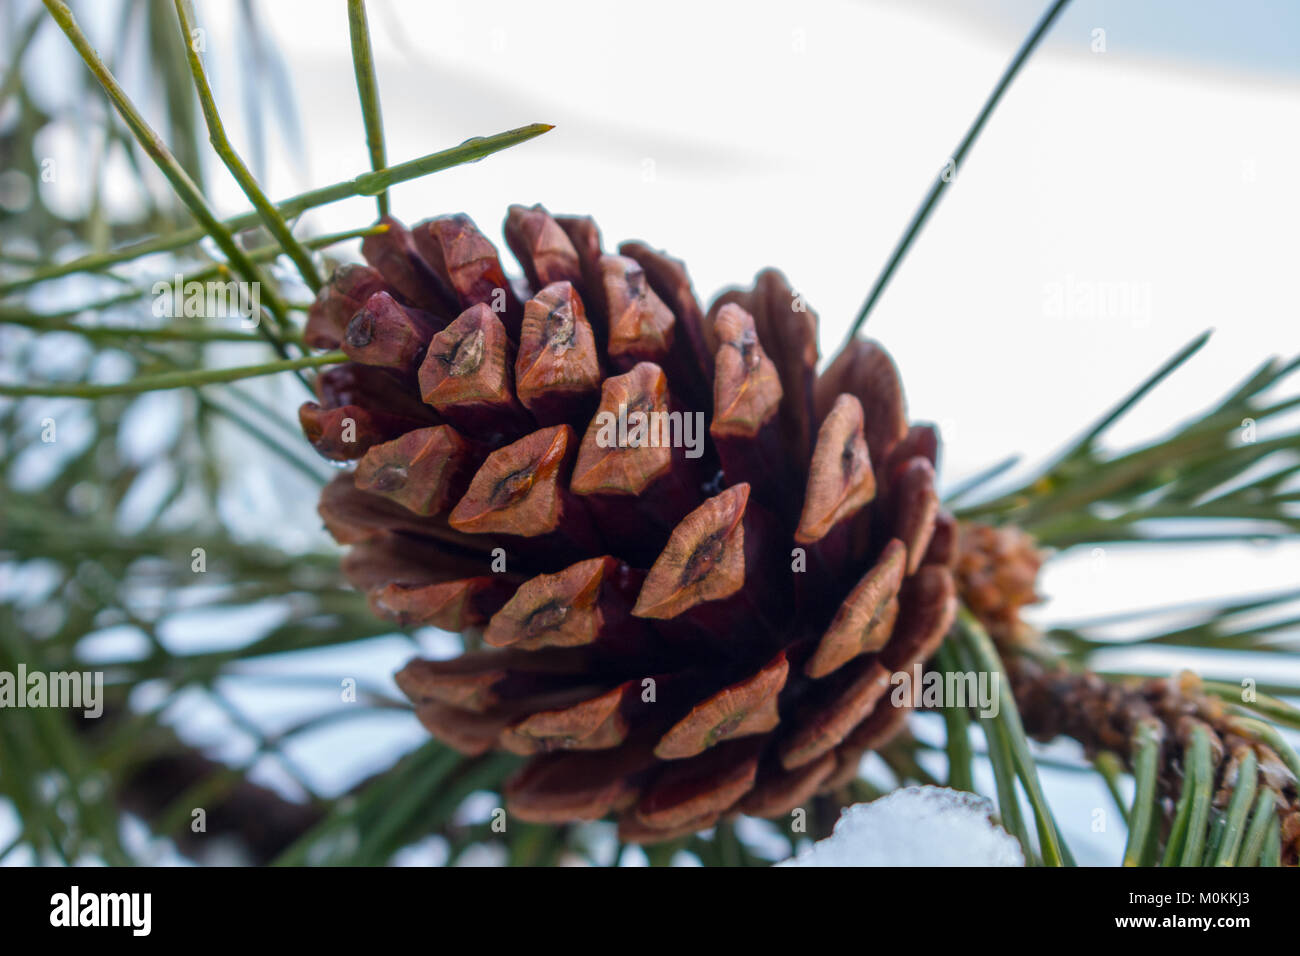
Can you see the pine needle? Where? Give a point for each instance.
(1148, 740)
(363, 64)
(1243, 795)
(367, 184)
(169, 380)
(946, 176)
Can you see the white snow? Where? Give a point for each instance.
(916, 826)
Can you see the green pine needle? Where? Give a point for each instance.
(169, 380)
(270, 216)
(1243, 795)
(363, 63)
(984, 655)
(1200, 781)
(367, 184)
(1262, 819)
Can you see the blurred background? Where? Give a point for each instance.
(1136, 186)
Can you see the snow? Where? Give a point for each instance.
(916, 826)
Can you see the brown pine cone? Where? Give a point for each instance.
(684, 621)
(996, 570)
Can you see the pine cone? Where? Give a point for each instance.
(684, 621)
(996, 571)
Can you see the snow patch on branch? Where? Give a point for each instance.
(916, 826)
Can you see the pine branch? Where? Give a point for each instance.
(157, 150)
(367, 184)
(111, 334)
(168, 380)
(1085, 495)
(50, 321)
(168, 780)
